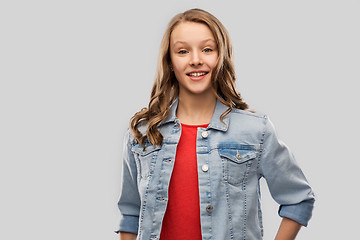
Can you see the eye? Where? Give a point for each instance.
(182, 52)
(207, 50)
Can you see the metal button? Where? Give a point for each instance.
(204, 134)
(238, 155)
(209, 208)
(205, 168)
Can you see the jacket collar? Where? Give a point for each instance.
(215, 122)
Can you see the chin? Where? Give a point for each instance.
(203, 91)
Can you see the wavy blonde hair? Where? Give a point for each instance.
(166, 89)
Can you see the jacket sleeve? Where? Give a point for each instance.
(129, 202)
(287, 183)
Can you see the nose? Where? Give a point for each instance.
(196, 59)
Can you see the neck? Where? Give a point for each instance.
(196, 109)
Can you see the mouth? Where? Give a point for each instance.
(196, 74)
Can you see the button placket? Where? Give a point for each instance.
(205, 168)
(205, 134)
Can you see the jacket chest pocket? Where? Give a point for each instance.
(146, 159)
(236, 163)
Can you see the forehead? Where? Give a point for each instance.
(191, 32)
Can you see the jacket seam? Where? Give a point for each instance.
(244, 112)
(262, 149)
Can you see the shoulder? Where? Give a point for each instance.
(129, 137)
(247, 114)
(254, 121)
(248, 120)
(143, 128)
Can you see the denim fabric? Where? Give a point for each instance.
(232, 156)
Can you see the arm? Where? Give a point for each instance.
(129, 202)
(288, 230)
(127, 236)
(286, 181)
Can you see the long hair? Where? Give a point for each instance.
(166, 88)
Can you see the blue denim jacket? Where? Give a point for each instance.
(232, 156)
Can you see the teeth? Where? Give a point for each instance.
(197, 74)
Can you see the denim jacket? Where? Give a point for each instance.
(232, 156)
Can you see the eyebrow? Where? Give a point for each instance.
(203, 41)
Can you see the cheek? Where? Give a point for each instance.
(179, 75)
(213, 61)
(178, 65)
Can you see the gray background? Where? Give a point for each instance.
(73, 73)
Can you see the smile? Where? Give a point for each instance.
(196, 74)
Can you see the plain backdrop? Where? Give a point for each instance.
(74, 72)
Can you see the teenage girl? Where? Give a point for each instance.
(194, 157)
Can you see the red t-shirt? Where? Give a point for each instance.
(182, 215)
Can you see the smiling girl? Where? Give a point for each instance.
(194, 157)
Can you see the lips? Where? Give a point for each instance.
(196, 74)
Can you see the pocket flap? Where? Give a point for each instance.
(236, 155)
(139, 149)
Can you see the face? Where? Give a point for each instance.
(194, 54)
